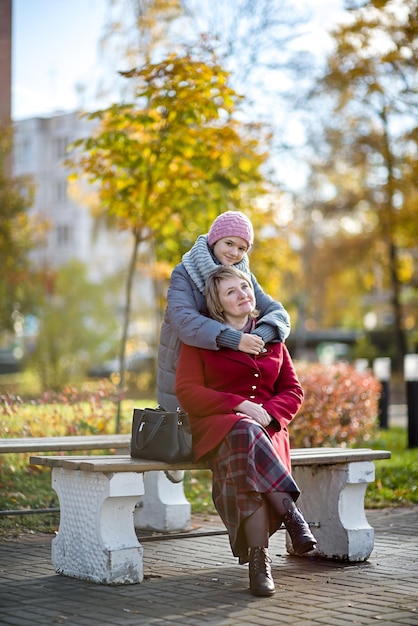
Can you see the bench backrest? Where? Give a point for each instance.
(66, 443)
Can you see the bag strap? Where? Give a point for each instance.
(152, 433)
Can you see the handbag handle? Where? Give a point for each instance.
(152, 433)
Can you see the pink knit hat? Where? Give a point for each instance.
(231, 224)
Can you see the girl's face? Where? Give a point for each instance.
(230, 250)
(236, 298)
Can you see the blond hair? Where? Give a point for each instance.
(212, 290)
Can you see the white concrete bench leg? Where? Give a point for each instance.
(333, 495)
(164, 506)
(96, 539)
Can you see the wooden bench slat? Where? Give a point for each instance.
(112, 463)
(70, 442)
(77, 462)
(300, 456)
(336, 455)
(74, 460)
(136, 465)
(124, 463)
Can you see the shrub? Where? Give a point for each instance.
(69, 412)
(340, 408)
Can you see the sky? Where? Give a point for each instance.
(55, 50)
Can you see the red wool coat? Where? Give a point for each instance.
(210, 383)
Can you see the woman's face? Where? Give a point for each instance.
(236, 298)
(230, 250)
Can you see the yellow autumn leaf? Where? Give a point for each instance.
(245, 165)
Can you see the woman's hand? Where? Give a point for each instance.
(251, 344)
(254, 411)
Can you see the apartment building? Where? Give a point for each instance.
(40, 151)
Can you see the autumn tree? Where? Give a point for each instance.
(75, 322)
(16, 234)
(166, 164)
(257, 42)
(366, 160)
(134, 34)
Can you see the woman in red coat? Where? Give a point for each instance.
(239, 407)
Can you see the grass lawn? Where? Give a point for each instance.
(396, 481)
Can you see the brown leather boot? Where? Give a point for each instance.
(302, 539)
(261, 580)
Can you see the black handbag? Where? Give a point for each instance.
(159, 435)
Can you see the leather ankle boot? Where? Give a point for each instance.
(261, 581)
(302, 539)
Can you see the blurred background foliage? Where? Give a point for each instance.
(219, 109)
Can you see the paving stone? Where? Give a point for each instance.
(196, 580)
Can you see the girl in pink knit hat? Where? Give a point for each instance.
(231, 223)
(186, 318)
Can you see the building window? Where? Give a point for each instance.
(60, 147)
(60, 191)
(64, 235)
(23, 152)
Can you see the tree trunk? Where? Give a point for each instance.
(389, 228)
(125, 326)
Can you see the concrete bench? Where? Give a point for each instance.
(164, 507)
(67, 443)
(98, 496)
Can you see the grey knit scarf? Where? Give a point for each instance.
(199, 263)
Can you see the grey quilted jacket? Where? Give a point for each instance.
(185, 320)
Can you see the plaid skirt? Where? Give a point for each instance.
(245, 466)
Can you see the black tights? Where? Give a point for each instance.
(256, 526)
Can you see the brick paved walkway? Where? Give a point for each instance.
(196, 581)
